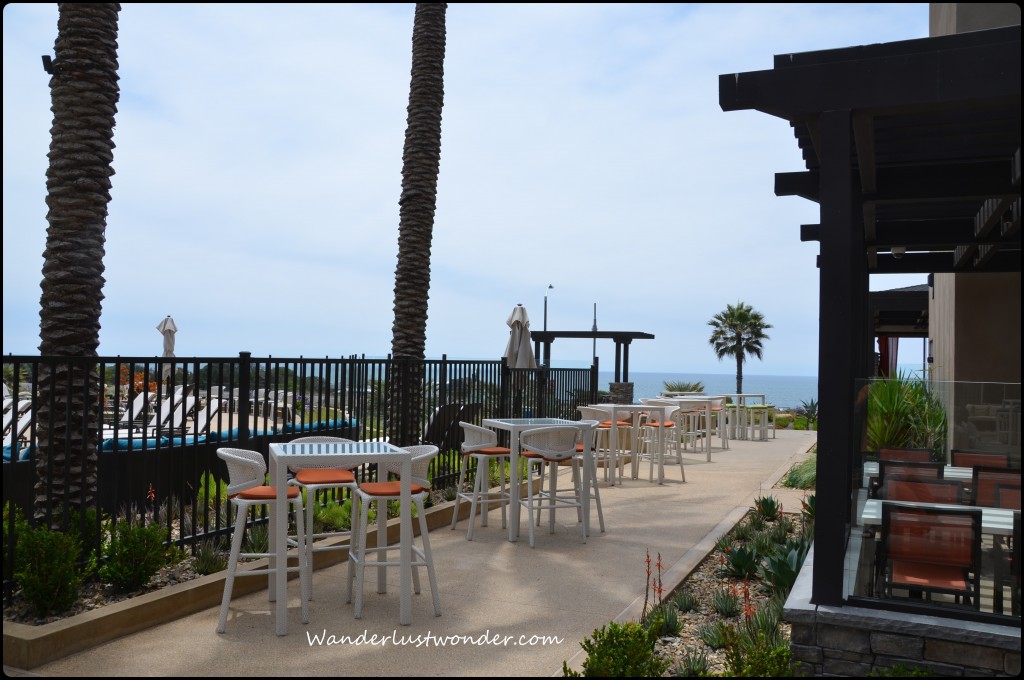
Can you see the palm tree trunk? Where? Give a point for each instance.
(739, 370)
(421, 162)
(84, 93)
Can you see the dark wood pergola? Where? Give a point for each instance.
(912, 151)
(622, 341)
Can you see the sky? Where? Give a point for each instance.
(258, 169)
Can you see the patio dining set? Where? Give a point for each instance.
(539, 448)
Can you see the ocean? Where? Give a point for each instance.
(785, 391)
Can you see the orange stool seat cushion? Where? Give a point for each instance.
(388, 488)
(325, 476)
(265, 493)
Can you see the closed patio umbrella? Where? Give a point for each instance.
(519, 352)
(167, 328)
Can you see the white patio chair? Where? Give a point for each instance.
(550, 447)
(380, 492)
(246, 473)
(313, 481)
(481, 444)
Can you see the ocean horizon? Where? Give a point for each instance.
(785, 391)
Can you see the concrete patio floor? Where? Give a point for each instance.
(508, 593)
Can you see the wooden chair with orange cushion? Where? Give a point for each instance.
(961, 458)
(923, 490)
(906, 455)
(932, 551)
(984, 481)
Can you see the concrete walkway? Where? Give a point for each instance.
(508, 593)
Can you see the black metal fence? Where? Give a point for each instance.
(143, 432)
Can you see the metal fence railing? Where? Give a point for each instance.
(139, 436)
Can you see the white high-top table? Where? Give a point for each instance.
(515, 427)
(336, 454)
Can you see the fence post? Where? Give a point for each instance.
(244, 405)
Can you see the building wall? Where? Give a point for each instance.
(974, 319)
(946, 18)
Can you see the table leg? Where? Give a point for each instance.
(514, 486)
(405, 545)
(279, 546)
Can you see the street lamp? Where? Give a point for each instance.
(550, 287)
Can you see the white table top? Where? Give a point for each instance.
(994, 521)
(963, 474)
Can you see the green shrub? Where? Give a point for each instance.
(685, 601)
(725, 602)
(714, 634)
(780, 571)
(209, 559)
(752, 654)
(803, 475)
(663, 620)
(135, 552)
(333, 516)
(783, 420)
(212, 493)
(741, 562)
(764, 544)
(782, 529)
(257, 538)
(12, 513)
(694, 664)
(767, 508)
(756, 522)
(47, 570)
(619, 650)
(807, 511)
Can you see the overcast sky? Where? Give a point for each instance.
(258, 169)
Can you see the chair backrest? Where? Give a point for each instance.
(908, 469)
(181, 411)
(923, 490)
(555, 442)
(932, 536)
(593, 413)
(1008, 496)
(205, 415)
(984, 481)
(321, 439)
(421, 457)
(906, 455)
(589, 434)
(246, 469)
(961, 458)
(440, 424)
(164, 411)
(475, 437)
(137, 408)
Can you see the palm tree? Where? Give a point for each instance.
(738, 332)
(420, 163)
(84, 93)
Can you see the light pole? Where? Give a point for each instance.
(550, 287)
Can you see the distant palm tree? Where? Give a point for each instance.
(683, 386)
(83, 93)
(738, 331)
(420, 165)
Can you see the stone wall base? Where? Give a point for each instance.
(853, 641)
